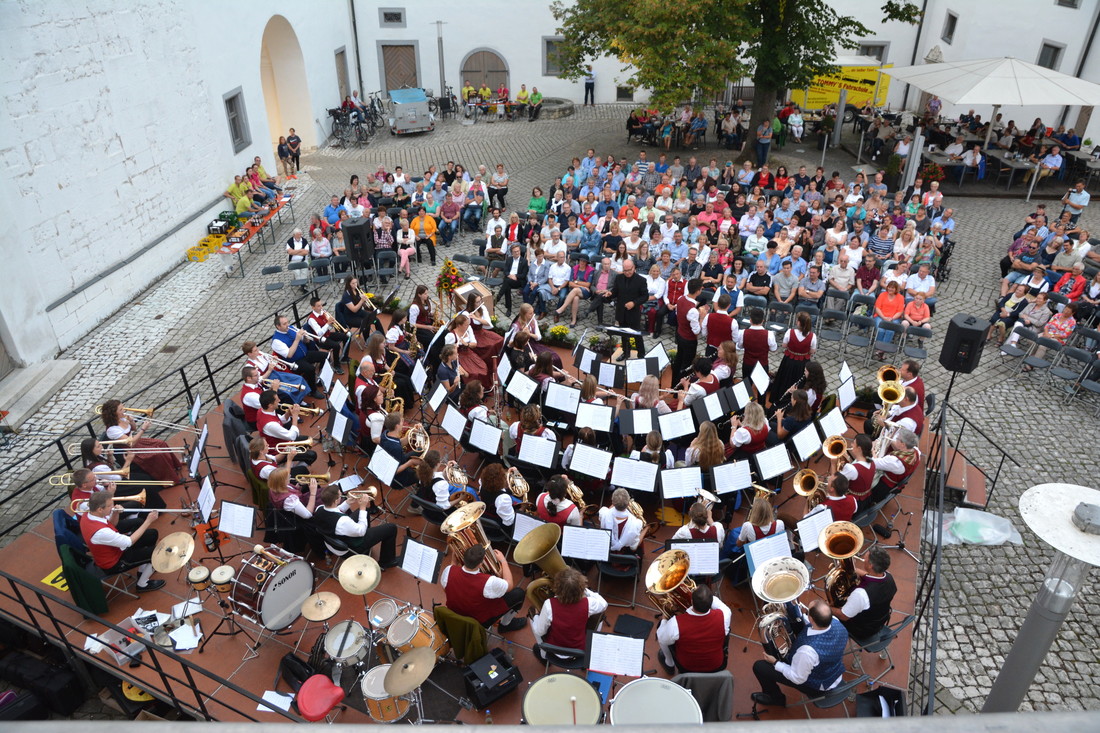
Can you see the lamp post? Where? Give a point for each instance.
(1048, 510)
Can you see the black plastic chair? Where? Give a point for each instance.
(778, 317)
(560, 656)
(915, 350)
(301, 280)
(859, 333)
(632, 569)
(385, 264)
(827, 333)
(879, 644)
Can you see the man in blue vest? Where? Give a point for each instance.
(817, 659)
(290, 346)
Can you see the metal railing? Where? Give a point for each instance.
(188, 688)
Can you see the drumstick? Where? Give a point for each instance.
(573, 702)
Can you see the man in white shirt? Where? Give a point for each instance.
(748, 223)
(114, 552)
(695, 640)
(842, 276)
(553, 291)
(496, 220)
(349, 522)
(867, 609)
(668, 229)
(297, 248)
(1075, 201)
(955, 149)
(817, 662)
(1050, 164)
(625, 528)
(922, 282)
(554, 246)
(481, 596)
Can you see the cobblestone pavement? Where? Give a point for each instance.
(987, 590)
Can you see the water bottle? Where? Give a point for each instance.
(488, 717)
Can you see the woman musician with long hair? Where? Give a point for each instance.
(159, 466)
(422, 316)
(788, 421)
(489, 342)
(799, 346)
(648, 396)
(725, 363)
(461, 334)
(355, 311)
(526, 321)
(291, 386)
(102, 463)
(376, 352)
(397, 343)
(812, 382)
(290, 509)
(372, 415)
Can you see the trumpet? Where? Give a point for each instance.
(285, 407)
(366, 300)
(267, 383)
(280, 364)
(66, 479)
(336, 325)
(298, 446)
(364, 493)
(321, 478)
(305, 332)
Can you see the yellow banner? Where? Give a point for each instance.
(858, 81)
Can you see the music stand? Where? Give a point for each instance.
(237, 520)
(633, 474)
(676, 424)
(561, 399)
(702, 553)
(596, 417)
(421, 562)
(586, 543)
(639, 369)
(584, 359)
(610, 375)
(637, 422)
(521, 387)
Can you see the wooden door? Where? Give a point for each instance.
(485, 66)
(399, 63)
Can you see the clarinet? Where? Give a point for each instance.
(785, 400)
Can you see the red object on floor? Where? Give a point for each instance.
(317, 697)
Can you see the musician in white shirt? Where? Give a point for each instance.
(325, 337)
(626, 529)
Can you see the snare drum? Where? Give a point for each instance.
(199, 577)
(382, 613)
(382, 707)
(654, 701)
(547, 701)
(270, 593)
(222, 578)
(346, 642)
(414, 629)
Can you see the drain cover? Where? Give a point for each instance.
(169, 349)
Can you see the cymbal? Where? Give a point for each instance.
(360, 574)
(410, 671)
(173, 552)
(320, 606)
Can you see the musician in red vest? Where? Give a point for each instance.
(250, 393)
(705, 383)
(554, 505)
(626, 529)
(867, 609)
(327, 337)
(114, 552)
(909, 372)
(695, 640)
(837, 498)
(860, 472)
(756, 342)
(276, 429)
(718, 326)
(483, 597)
(908, 414)
(701, 526)
(901, 460)
(688, 328)
(563, 619)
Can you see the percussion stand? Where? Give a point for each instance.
(234, 629)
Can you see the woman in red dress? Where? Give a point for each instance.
(160, 466)
(462, 335)
(489, 342)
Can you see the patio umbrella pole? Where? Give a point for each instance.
(989, 129)
(1034, 178)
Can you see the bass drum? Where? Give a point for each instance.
(547, 701)
(414, 629)
(269, 592)
(381, 706)
(653, 701)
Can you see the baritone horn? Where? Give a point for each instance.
(808, 483)
(888, 373)
(836, 449)
(540, 546)
(776, 582)
(463, 530)
(667, 582)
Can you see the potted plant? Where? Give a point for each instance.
(560, 336)
(892, 174)
(603, 344)
(932, 172)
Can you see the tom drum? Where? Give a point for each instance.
(654, 701)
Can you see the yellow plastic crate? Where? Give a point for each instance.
(197, 254)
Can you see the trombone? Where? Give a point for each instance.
(299, 446)
(147, 416)
(80, 506)
(282, 385)
(66, 479)
(74, 448)
(285, 407)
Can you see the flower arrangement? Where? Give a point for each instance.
(602, 344)
(932, 172)
(560, 336)
(449, 277)
(384, 306)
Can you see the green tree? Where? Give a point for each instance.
(684, 50)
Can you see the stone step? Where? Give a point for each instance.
(26, 389)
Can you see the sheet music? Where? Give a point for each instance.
(195, 409)
(607, 375)
(435, 399)
(597, 417)
(538, 451)
(618, 656)
(732, 477)
(680, 483)
(327, 375)
(759, 552)
(631, 474)
(703, 556)
(485, 436)
(454, 422)
(201, 445)
(420, 376)
(524, 524)
(196, 456)
(741, 396)
(339, 426)
(833, 423)
(588, 358)
(590, 461)
(561, 397)
(760, 378)
(338, 395)
(635, 370)
(420, 561)
(845, 372)
(586, 543)
(806, 442)
(348, 483)
(714, 407)
(658, 352)
(522, 387)
(642, 420)
(773, 462)
(846, 395)
(236, 519)
(809, 529)
(676, 424)
(504, 368)
(206, 499)
(383, 466)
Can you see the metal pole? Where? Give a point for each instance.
(439, 50)
(989, 129)
(859, 151)
(1049, 609)
(840, 105)
(1034, 177)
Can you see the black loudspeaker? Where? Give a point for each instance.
(963, 344)
(357, 238)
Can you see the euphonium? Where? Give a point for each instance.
(841, 541)
(890, 393)
(776, 634)
(667, 582)
(888, 373)
(836, 448)
(808, 484)
(577, 497)
(540, 546)
(519, 487)
(463, 530)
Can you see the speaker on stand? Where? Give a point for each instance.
(963, 344)
(359, 242)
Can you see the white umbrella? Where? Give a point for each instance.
(998, 82)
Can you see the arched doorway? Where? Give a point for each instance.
(286, 89)
(483, 65)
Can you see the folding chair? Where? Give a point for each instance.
(813, 311)
(1027, 339)
(1088, 385)
(1070, 367)
(272, 287)
(493, 282)
(385, 264)
(836, 696)
(879, 644)
(832, 334)
(559, 656)
(319, 267)
(858, 300)
(301, 280)
(1044, 362)
(778, 317)
(919, 333)
(859, 333)
(632, 569)
(889, 347)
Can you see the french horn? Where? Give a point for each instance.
(416, 440)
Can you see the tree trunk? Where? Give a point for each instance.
(763, 109)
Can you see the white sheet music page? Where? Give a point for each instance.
(773, 461)
(760, 378)
(586, 543)
(658, 352)
(846, 395)
(807, 441)
(524, 524)
(420, 376)
(833, 423)
(632, 474)
(703, 556)
(348, 483)
(485, 436)
(732, 477)
(339, 425)
(236, 519)
(588, 358)
(741, 395)
(643, 421)
(419, 561)
(206, 499)
(522, 387)
(679, 483)
(196, 407)
(537, 450)
(384, 466)
(676, 424)
(760, 551)
(435, 399)
(327, 374)
(607, 373)
(713, 404)
(597, 417)
(618, 656)
(563, 398)
(809, 529)
(454, 422)
(845, 372)
(635, 370)
(338, 395)
(590, 461)
(504, 368)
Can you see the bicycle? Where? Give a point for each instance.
(376, 111)
(341, 125)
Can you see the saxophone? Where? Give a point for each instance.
(391, 403)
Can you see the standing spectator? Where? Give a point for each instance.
(284, 158)
(589, 87)
(1075, 201)
(763, 141)
(294, 143)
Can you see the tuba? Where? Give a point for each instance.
(463, 530)
(540, 546)
(808, 484)
(841, 541)
(667, 582)
(888, 373)
(777, 582)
